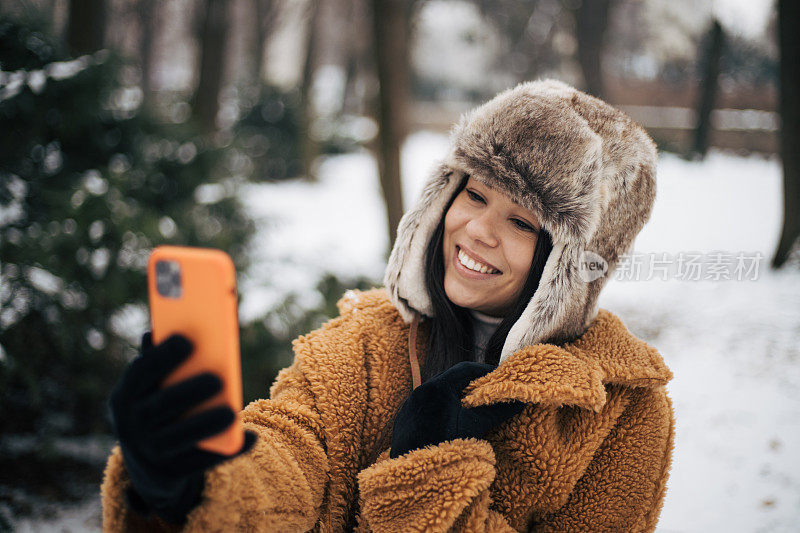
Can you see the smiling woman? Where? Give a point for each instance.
(533, 410)
(488, 247)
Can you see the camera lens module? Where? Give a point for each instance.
(168, 279)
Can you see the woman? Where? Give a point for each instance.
(536, 411)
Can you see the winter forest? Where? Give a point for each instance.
(294, 134)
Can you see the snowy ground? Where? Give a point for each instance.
(733, 345)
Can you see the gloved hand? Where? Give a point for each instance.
(433, 413)
(158, 446)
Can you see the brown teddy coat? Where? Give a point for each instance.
(590, 452)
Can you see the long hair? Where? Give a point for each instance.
(451, 335)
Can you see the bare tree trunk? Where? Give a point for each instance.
(590, 26)
(213, 41)
(263, 25)
(391, 28)
(789, 45)
(308, 146)
(86, 26)
(708, 90)
(147, 22)
(58, 16)
(359, 61)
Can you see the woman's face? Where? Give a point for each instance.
(488, 231)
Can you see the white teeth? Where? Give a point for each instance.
(471, 264)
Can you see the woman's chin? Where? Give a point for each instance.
(464, 298)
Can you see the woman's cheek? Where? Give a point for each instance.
(451, 223)
(462, 216)
(451, 217)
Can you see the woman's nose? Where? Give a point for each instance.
(482, 229)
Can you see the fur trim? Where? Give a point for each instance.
(585, 168)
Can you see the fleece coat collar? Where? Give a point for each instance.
(575, 373)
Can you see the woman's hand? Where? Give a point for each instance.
(433, 412)
(158, 446)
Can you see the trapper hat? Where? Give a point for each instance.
(585, 168)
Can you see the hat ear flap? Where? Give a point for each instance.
(556, 312)
(404, 278)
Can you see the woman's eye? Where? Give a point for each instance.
(474, 196)
(522, 225)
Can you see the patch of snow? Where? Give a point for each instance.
(11, 83)
(84, 517)
(351, 296)
(45, 281)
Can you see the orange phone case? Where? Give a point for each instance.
(204, 310)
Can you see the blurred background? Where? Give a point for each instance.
(293, 134)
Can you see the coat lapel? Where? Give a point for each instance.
(575, 373)
(575, 392)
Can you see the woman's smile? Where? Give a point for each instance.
(461, 257)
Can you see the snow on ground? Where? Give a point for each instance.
(733, 345)
(83, 517)
(734, 348)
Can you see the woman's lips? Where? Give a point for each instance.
(466, 272)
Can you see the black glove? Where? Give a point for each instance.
(433, 412)
(158, 446)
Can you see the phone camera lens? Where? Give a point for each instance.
(168, 279)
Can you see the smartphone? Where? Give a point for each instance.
(192, 291)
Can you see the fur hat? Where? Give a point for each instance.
(586, 169)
